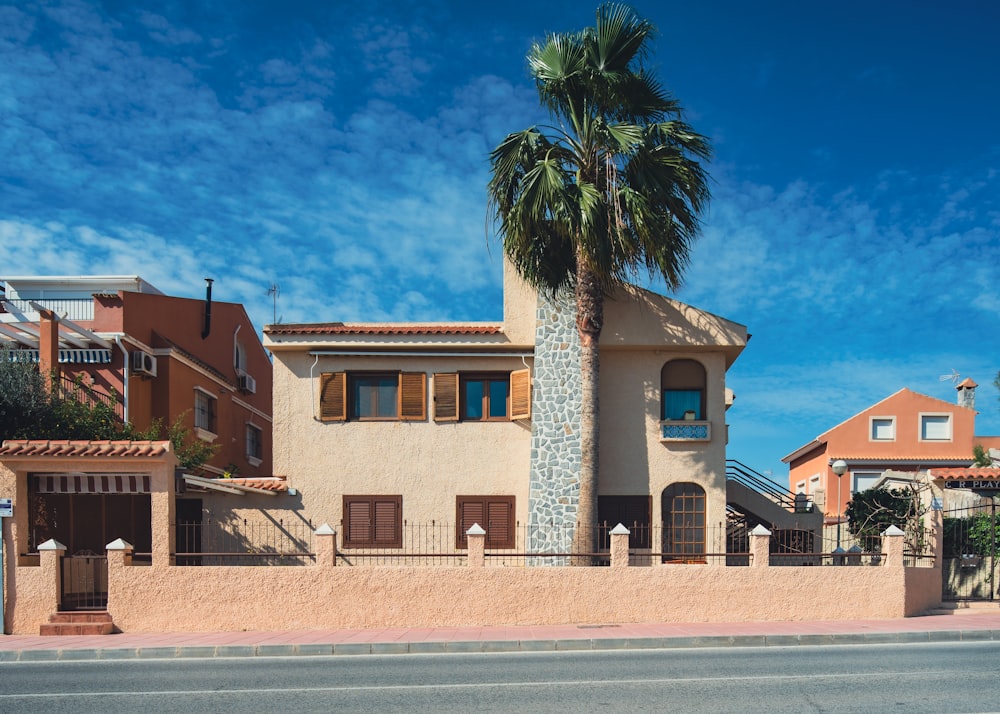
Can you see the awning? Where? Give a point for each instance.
(225, 486)
(67, 356)
(90, 483)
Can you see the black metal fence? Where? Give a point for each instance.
(83, 582)
(243, 542)
(971, 541)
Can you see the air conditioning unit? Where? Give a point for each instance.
(143, 363)
(247, 384)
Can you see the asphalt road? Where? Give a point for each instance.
(948, 677)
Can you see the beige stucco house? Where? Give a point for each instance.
(379, 427)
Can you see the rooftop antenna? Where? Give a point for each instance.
(273, 292)
(954, 377)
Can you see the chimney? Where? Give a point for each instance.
(48, 348)
(207, 327)
(967, 393)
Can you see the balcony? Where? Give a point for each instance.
(685, 430)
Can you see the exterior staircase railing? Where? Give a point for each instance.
(756, 481)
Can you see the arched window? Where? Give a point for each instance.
(682, 382)
(683, 506)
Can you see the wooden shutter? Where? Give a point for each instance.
(388, 531)
(333, 396)
(412, 396)
(446, 396)
(520, 394)
(495, 514)
(373, 521)
(500, 522)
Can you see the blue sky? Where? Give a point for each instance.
(339, 150)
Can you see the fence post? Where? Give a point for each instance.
(326, 546)
(50, 555)
(937, 526)
(892, 546)
(119, 557)
(760, 547)
(619, 547)
(476, 538)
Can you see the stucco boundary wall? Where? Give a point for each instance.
(165, 598)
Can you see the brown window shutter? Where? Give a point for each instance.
(495, 514)
(388, 530)
(446, 396)
(520, 394)
(333, 396)
(499, 531)
(412, 396)
(358, 522)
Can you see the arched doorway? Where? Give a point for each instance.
(683, 506)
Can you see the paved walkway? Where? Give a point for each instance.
(981, 624)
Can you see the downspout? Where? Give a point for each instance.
(125, 377)
(312, 388)
(236, 351)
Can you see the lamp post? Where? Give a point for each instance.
(839, 467)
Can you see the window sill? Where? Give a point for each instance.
(205, 434)
(685, 430)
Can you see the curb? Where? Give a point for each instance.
(483, 646)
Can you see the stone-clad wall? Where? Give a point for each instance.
(554, 488)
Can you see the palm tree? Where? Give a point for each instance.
(614, 188)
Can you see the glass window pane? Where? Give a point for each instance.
(498, 398)
(882, 429)
(387, 397)
(474, 399)
(936, 428)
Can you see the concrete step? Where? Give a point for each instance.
(965, 607)
(78, 623)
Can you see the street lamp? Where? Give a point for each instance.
(839, 467)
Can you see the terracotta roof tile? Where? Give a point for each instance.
(39, 447)
(969, 472)
(341, 328)
(265, 483)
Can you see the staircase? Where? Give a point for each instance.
(767, 502)
(78, 623)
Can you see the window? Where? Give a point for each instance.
(373, 396)
(633, 512)
(683, 389)
(204, 411)
(240, 357)
(935, 427)
(800, 487)
(255, 445)
(683, 523)
(495, 514)
(485, 398)
(814, 482)
(373, 522)
(482, 396)
(864, 480)
(883, 428)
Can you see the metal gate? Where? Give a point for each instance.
(970, 552)
(84, 582)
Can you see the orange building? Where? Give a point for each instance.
(159, 356)
(906, 432)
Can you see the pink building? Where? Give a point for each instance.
(906, 432)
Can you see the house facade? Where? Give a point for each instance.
(905, 433)
(159, 357)
(380, 427)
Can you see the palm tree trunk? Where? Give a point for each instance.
(589, 321)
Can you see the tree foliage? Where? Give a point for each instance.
(614, 189)
(29, 411)
(870, 512)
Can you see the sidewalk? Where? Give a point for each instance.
(980, 624)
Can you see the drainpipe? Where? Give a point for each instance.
(312, 388)
(126, 373)
(207, 328)
(236, 350)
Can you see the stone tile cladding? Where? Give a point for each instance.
(553, 490)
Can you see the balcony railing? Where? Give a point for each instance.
(685, 430)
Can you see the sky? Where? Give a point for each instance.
(338, 151)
